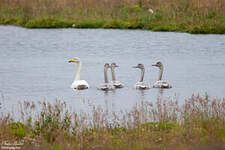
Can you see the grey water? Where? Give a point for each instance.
(34, 65)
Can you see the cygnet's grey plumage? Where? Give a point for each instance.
(160, 83)
(140, 84)
(106, 86)
(115, 82)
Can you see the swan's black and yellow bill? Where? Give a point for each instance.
(154, 65)
(72, 60)
(135, 67)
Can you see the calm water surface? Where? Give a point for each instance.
(34, 64)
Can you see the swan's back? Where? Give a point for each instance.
(117, 84)
(80, 84)
(106, 87)
(141, 85)
(162, 84)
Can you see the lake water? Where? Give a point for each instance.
(34, 64)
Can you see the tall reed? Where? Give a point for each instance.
(165, 124)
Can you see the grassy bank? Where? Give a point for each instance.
(193, 16)
(197, 124)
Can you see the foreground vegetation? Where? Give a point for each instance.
(193, 16)
(197, 124)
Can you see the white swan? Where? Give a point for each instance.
(115, 82)
(160, 83)
(106, 86)
(77, 83)
(140, 84)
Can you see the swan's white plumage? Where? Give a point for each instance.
(79, 84)
(161, 84)
(141, 85)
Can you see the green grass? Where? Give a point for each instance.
(17, 129)
(116, 24)
(171, 15)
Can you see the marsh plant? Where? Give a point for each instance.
(194, 16)
(164, 124)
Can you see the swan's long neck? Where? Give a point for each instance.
(78, 71)
(106, 75)
(113, 74)
(160, 72)
(142, 75)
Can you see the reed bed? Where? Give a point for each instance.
(193, 16)
(199, 123)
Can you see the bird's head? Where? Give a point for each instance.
(141, 66)
(106, 65)
(158, 64)
(114, 65)
(75, 60)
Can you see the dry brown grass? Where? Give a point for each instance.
(165, 124)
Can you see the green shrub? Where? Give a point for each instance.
(18, 129)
